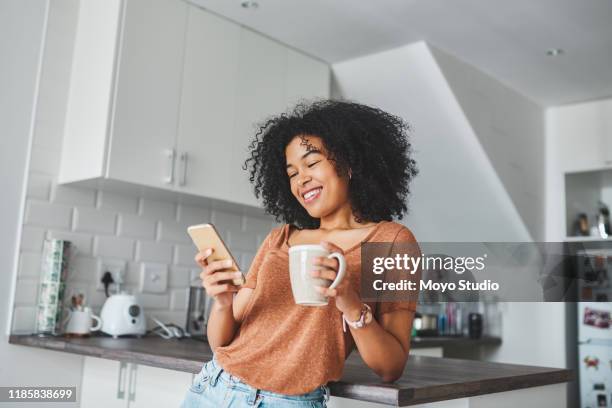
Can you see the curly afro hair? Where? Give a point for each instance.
(372, 143)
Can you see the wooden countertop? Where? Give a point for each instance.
(425, 379)
(453, 341)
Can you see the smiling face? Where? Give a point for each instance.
(313, 178)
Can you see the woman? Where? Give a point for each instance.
(336, 173)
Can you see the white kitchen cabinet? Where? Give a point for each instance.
(158, 387)
(104, 383)
(128, 61)
(147, 91)
(207, 104)
(108, 383)
(165, 98)
(260, 94)
(307, 78)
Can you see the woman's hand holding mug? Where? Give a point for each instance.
(317, 273)
(347, 300)
(216, 279)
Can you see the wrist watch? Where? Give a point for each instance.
(364, 319)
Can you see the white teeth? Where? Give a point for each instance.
(311, 194)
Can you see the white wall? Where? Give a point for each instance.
(458, 195)
(102, 225)
(510, 128)
(22, 26)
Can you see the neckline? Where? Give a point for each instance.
(346, 251)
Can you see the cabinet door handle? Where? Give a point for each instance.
(132, 383)
(183, 171)
(170, 157)
(121, 383)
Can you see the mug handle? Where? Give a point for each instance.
(341, 268)
(98, 325)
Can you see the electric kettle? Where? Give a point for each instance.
(122, 315)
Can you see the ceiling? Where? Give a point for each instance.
(506, 39)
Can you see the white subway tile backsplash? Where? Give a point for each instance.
(225, 221)
(166, 316)
(170, 231)
(258, 225)
(32, 238)
(24, 319)
(153, 301)
(185, 255)
(117, 203)
(134, 226)
(260, 239)
(154, 252)
(190, 215)
(178, 299)
(247, 259)
(132, 276)
(159, 210)
(48, 215)
(83, 242)
(73, 196)
(195, 274)
(39, 186)
(105, 225)
(84, 269)
(114, 247)
(29, 265)
(26, 292)
(241, 240)
(96, 298)
(179, 277)
(92, 220)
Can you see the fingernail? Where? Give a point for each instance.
(237, 274)
(208, 252)
(228, 263)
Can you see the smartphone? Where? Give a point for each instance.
(206, 236)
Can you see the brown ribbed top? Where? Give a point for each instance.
(288, 348)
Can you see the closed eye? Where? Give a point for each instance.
(312, 164)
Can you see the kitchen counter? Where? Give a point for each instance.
(453, 341)
(425, 379)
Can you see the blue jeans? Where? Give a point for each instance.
(215, 388)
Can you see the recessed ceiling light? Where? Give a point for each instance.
(553, 52)
(250, 4)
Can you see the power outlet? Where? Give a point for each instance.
(116, 268)
(153, 278)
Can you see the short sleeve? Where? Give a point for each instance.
(404, 236)
(251, 278)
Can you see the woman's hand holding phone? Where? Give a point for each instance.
(217, 279)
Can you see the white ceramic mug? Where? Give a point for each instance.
(80, 322)
(302, 283)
